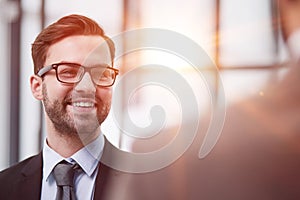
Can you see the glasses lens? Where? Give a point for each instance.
(69, 73)
(103, 76)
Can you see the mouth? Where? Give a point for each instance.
(83, 104)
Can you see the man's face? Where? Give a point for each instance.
(76, 108)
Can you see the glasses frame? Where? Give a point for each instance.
(54, 66)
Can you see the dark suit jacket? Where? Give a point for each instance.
(24, 180)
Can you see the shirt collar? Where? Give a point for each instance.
(88, 157)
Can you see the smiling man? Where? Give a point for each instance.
(75, 102)
(73, 75)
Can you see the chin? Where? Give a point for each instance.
(86, 134)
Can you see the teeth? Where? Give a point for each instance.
(83, 104)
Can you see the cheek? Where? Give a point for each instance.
(105, 94)
(56, 90)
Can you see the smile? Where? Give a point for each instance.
(83, 104)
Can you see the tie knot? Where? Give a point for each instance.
(64, 174)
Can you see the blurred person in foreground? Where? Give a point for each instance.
(258, 153)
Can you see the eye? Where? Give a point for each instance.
(107, 73)
(68, 71)
(103, 75)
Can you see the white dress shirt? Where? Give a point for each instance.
(84, 182)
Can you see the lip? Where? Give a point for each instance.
(83, 104)
(85, 100)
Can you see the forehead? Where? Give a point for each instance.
(85, 50)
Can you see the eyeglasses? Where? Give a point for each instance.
(102, 75)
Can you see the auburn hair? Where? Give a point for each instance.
(66, 26)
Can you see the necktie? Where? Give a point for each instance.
(64, 175)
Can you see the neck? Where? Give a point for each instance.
(68, 144)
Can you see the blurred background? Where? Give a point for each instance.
(242, 38)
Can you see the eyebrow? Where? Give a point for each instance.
(99, 65)
(75, 63)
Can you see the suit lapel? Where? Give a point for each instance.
(101, 181)
(107, 178)
(29, 185)
(101, 186)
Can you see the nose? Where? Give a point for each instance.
(86, 84)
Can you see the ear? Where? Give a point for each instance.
(36, 85)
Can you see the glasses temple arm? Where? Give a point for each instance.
(44, 70)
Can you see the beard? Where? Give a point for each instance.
(73, 124)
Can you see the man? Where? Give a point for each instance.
(73, 75)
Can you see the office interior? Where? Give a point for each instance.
(242, 40)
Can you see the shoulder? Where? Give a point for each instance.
(22, 180)
(17, 170)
